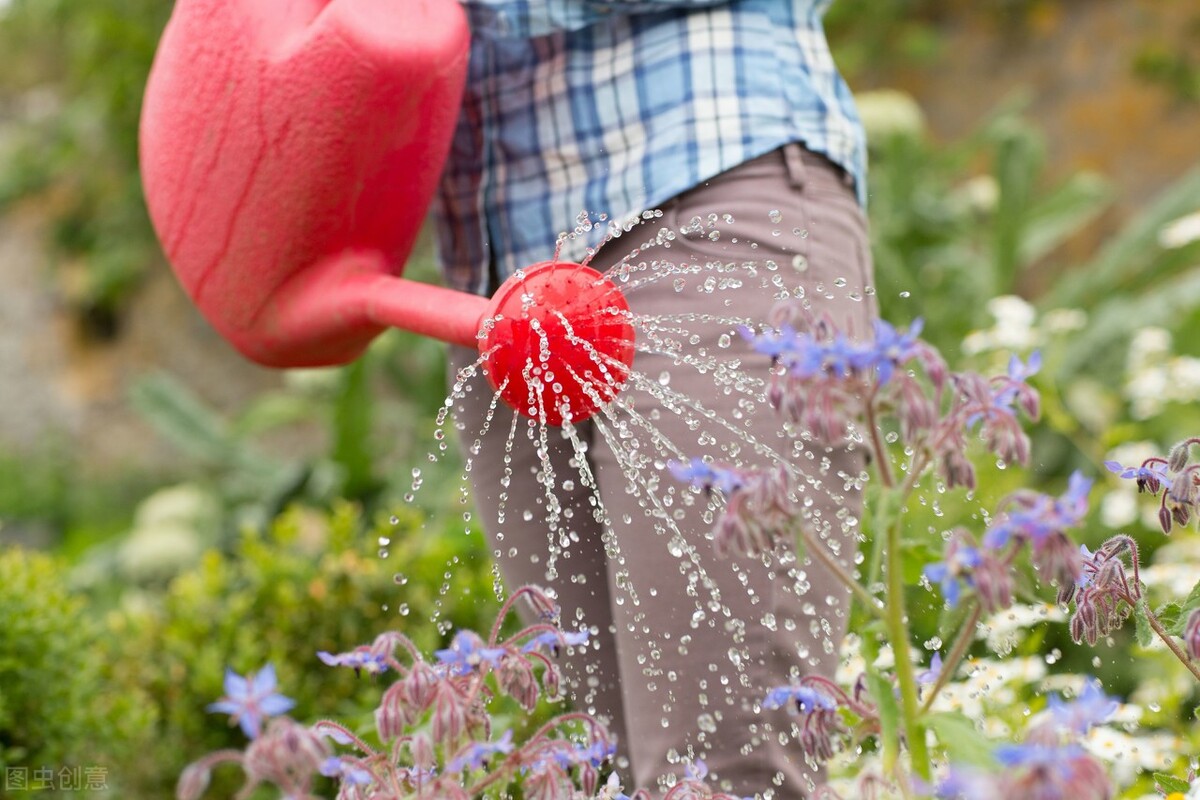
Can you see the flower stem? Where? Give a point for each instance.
(957, 651)
(816, 547)
(1171, 643)
(880, 452)
(897, 624)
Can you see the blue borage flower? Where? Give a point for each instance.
(1038, 516)
(249, 700)
(804, 356)
(1092, 707)
(1057, 757)
(806, 699)
(467, 653)
(1150, 476)
(477, 755)
(345, 770)
(952, 573)
(932, 674)
(552, 640)
(362, 659)
(703, 475)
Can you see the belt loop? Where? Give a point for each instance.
(793, 157)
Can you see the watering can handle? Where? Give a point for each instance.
(289, 153)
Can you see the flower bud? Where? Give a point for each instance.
(395, 713)
(543, 605)
(589, 778)
(419, 685)
(192, 782)
(449, 715)
(1177, 459)
(552, 682)
(1191, 636)
(421, 747)
(515, 677)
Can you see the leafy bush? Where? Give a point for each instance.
(124, 687)
(56, 707)
(314, 581)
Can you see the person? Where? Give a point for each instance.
(725, 128)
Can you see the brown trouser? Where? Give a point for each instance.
(686, 644)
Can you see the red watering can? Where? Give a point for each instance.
(289, 153)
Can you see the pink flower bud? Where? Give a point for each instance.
(192, 782)
(1191, 635)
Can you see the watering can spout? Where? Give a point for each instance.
(289, 153)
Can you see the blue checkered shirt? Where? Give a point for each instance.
(618, 106)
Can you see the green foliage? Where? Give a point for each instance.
(313, 581)
(56, 707)
(88, 63)
(945, 244)
(126, 686)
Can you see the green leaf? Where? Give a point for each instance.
(885, 703)
(961, 740)
(1125, 255)
(1169, 614)
(180, 416)
(1189, 604)
(1062, 214)
(1145, 634)
(1169, 783)
(352, 424)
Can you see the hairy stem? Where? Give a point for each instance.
(879, 451)
(897, 624)
(815, 547)
(1171, 643)
(957, 651)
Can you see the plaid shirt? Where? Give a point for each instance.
(618, 106)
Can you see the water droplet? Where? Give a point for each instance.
(774, 215)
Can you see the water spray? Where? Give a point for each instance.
(289, 156)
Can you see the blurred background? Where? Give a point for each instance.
(167, 508)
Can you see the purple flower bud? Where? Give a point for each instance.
(396, 712)
(589, 779)
(449, 721)
(543, 605)
(956, 469)
(419, 684)
(421, 747)
(1164, 519)
(516, 679)
(192, 781)
(288, 754)
(1191, 635)
(552, 681)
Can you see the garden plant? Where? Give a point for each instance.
(922, 425)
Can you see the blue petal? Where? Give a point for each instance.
(264, 680)
(275, 704)
(236, 686)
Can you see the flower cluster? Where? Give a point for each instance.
(1026, 518)
(1050, 764)
(758, 504)
(1176, 477)
(436, 725)
(824, 379)
(816, 701)
(451, 694)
